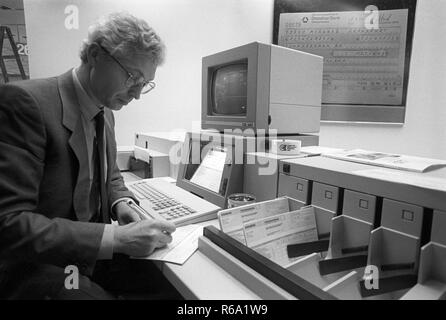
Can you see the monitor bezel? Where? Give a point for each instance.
(257, 91)
(232, 172)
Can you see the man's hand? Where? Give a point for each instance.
(140, 239)
(125, 214)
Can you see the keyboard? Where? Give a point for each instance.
(168, 207)
(163, 200)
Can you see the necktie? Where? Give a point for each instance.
(101, 165)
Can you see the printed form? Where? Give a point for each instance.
(271, 236)
(362, 65)
(389, 160)
(183, 245)
(232, 220)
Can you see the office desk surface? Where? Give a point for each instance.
(201, 278)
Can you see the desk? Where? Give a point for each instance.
(402, 222)
(201, 278)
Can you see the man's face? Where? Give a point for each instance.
(108, 78)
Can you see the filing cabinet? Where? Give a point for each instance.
(294, 187)
(325, 199)
(325, 196)
(385, 221)
(431, 281)
(438, 227)
(404, 217)
(350, 232)
(359, 205)
(398, 229)
(261, 178)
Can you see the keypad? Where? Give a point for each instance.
(166, 206)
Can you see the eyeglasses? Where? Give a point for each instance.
(132, 80)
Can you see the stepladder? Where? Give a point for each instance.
(11, 65)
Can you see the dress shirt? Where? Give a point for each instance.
(88, 112)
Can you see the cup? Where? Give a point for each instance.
(240, 199)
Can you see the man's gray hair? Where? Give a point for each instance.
(124, 35)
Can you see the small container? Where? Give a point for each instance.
(240, 199)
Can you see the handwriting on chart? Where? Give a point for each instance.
(362, 65)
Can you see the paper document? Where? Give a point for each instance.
(232, 220)
(276, 250)
(409, 178)
(394, 161)
(318, 150)
(271, 236)
(183, 245)
(210, 171)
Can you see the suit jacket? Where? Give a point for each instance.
(43, 205)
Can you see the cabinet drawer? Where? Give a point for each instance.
(293, 187)
(323, 221)
(359, 205)
(403, 217)
(439, 227)
(325, 196)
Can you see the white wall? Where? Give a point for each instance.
(424, 131)
(194, 28)
(190, 28)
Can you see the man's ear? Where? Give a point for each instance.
(93, 53)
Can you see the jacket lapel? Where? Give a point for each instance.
(71, 119)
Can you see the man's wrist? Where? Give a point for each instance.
(107, 242)
(117, 244)
(122, 201)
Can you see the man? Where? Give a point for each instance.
(59, 183)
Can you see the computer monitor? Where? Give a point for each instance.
(262, 86)
(211, 166)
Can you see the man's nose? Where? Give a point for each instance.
(135, 92)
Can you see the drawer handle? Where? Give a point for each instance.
(328, 194)
(354, 249)
(300, 249)
(363, 204)
(299, 187)
(397, 266)
(335, 265)
(407, 215)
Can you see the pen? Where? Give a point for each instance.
(143, 214)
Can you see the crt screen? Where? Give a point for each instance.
(229, 90)
(206, 171)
